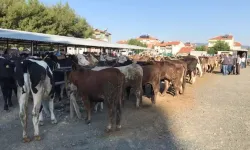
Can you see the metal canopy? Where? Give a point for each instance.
(24, 36)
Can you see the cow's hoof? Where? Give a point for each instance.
(118, 127)
(26, 140)
(162, 95)
(41, 123)
(108, 130)
(101, 110)
(54, 121)
(37, 138)
(87, 122)
(10, 104)
(6, 107)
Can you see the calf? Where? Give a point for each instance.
(7, 81)
(36, 77)
(106, 84)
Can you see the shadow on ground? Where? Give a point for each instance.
(144, 128)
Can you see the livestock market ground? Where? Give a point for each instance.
(213, 114)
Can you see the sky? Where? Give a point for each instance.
(168, 20)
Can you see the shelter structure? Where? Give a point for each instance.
(34, 40)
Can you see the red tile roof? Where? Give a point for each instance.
(122, 42)
(237, 44)
(185, 50)
(222, 37)
(170, 43)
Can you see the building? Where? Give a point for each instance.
(172, 47)
(150, 41)
(102, 35)
(229, 39)
(237, 45)
(184, 51)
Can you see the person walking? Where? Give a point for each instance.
(238, 64)
(225, 62)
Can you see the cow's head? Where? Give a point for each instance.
(82, 60)
(6, 68)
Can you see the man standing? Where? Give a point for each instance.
(225, 62)
(238, 63)
(230, 64)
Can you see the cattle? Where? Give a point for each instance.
(133, 79)
(36, 77)
(170, 73)
(179, 65)
(107, 84)
(191, 67)
(151, 76)
(7, 81)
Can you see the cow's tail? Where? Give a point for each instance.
(184, 79)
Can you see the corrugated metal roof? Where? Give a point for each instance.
(48, 38)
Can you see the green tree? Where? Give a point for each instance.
(220, 46)
(34, 16)
(136, 42)
(211, 51)
(201, 48)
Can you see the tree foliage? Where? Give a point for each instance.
(201, 48)
(136, 43)
(34, 16)
(219, 46)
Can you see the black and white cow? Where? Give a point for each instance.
(36, 77)
(7, 81)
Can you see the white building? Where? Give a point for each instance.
(229, 39)
(172, 47)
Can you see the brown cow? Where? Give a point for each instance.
(151, 75)
(104, 85)
(173, 74)
(182, 66)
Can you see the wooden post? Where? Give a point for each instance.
(32, 48)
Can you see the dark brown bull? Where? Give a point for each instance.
(104, 85)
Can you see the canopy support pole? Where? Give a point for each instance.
(32, 48)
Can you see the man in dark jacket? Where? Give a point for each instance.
(230, 64)
(225, 62)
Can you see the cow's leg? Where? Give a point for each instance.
(5, 96)
(101, 105)
(41, 123)
(51, 108)
(37, 99)
(23, 106)
(138, 97)
(61, 91)
(9, 97)
(118, 114)
(155, 87)
(88, 109)
(96, 106)
(166, 88)
(111, 116)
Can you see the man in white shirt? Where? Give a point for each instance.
(243, 61)
(238, 63)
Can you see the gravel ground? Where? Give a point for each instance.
(211, 115)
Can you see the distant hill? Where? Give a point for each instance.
(245, 47)
(200, 44)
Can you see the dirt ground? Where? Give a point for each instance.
(212, 114)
